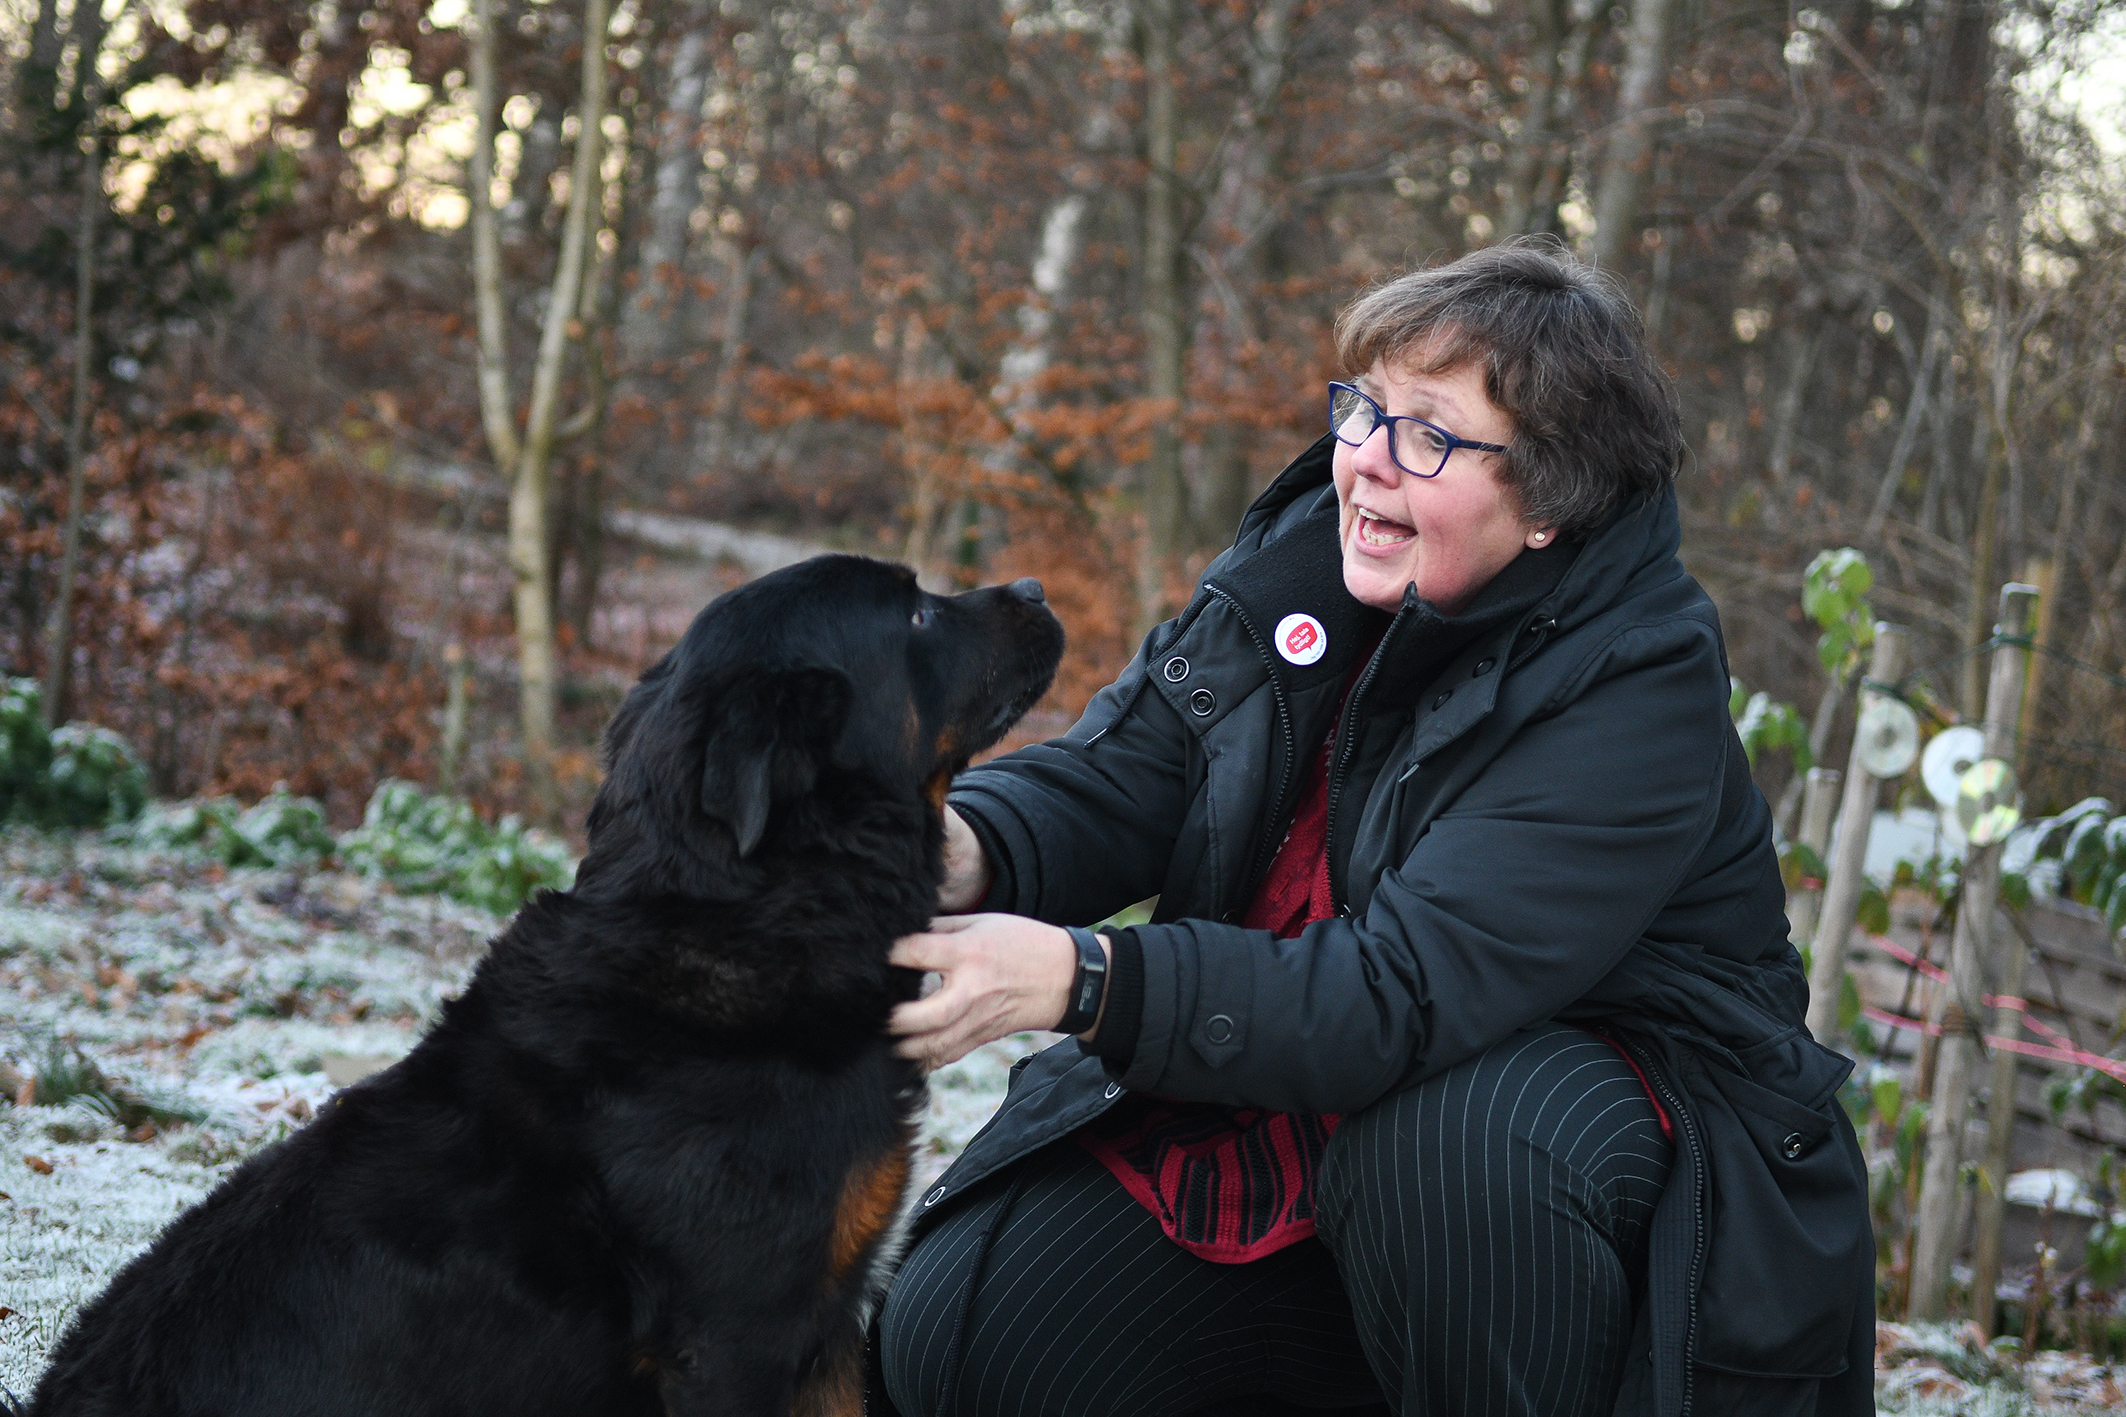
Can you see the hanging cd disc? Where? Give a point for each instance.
(1947, 758)
(1985, 802)
(1888, 738)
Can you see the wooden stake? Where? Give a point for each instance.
(1934, 1229)
(2008, 1015)
(1841, 892)
(1817, 800)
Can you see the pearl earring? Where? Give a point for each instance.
(1539, 537)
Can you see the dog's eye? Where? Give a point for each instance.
(920, 618)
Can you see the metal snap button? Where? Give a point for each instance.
(934, 1197)
(1217, 1028)
(1442, 697)
(1112, 1089)
(1483, 666)
(1176, 670)
(1793, 1146)
(1203, 703)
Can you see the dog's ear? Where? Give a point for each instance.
(768, 739)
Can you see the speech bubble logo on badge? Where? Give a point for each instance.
(1301, 639)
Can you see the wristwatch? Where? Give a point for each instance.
(1088, 986)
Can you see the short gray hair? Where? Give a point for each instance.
(1564, 355)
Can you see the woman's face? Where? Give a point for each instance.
(1448, 535)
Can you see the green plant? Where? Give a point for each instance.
(2079, 854)
(427, 842)
(25, 750)
(66, 1074)
(2105, 1259)
(1762, 722)
(206, 823)
(80, 776)
(94, 779)
(278, 830)
(283, 830)
(1834, 593)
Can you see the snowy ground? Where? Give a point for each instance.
(216, 1003)
(220, 1006)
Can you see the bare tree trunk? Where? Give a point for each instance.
(649, 330)
(1547, 20)
(498, 415)
(538, 154)
(713, 445)
(529, 455)
(1228, 472)
(920, 453)
(1537, 175)
(1977, 621)
(60, 654)
(1787, 413)
(1908, 431)
(1062, 232)
(2095, 413)
(1631, 143)
(1165, 494)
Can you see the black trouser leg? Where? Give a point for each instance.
(1490, 1227)
(1051, 1293)
(1485, 1241)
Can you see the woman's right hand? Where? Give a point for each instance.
(966, 868)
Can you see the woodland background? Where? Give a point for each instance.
(359, 402)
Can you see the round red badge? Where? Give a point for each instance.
(1301, 639)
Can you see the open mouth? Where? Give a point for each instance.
(1376, 530)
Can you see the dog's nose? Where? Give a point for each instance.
(1028, 589)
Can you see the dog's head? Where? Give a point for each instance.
(795, 698)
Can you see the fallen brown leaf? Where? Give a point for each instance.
(38, 1164)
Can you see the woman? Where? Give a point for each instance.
(1462, 1066)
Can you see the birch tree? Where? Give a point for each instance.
(1165, 495)
(526, 451)
(1631, 143)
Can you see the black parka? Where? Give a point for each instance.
(1560, 823)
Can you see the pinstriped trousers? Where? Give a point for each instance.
(1480, 1250)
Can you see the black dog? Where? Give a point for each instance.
(650, 1159)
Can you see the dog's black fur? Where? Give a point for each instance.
(649, 1160)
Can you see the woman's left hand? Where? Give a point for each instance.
(1003, 974)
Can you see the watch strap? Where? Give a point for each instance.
(1088, 986)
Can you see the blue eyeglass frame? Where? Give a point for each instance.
(1381, 416)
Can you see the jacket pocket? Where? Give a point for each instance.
(1788, 1231)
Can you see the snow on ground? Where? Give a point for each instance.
(224, 997)
(214, 1002)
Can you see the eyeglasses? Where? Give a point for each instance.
(1418, 448)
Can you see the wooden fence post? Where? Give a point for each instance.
(1856, 812)
(1934, 1229)
(1818, 798)
(2008, 1014)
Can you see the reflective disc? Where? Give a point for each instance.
(1889, 738)
(1948, 756)
(1985, 802)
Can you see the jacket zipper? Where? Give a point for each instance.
(1340, 769)
(1683, 1120)
(1291, 747)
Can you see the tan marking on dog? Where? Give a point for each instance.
(939, 782)
(935, 788)
(869, 1202)
(835, 1386)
